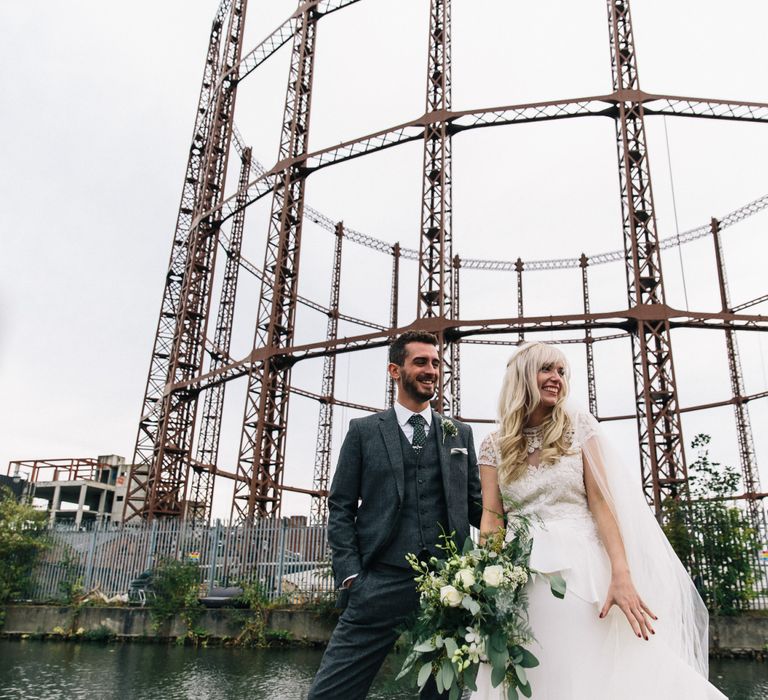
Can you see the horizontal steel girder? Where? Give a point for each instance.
(624, 320)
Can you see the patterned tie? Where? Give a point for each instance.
(419, 434)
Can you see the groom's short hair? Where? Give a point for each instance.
(397, 351)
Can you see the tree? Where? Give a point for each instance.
(715, 535)
(22, 539)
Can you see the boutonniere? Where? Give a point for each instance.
(449, 429)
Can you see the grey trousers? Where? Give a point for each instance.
(380, 600)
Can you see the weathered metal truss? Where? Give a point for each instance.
(163, 464)
(747, 457)
(158, 479)
(435, 299)
(209, 434)
(319, 510)
(662, 453)
(265, 421)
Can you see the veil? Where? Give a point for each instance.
(658, 574)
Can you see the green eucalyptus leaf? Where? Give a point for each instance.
(528, 660)
(497, 675)
(424, 672)
(495, 658)
(512, 692)
(469, 545)
(498, 640)
(439, 681)
(470, 676)
(450, 646)
(426, 646)
(447, 673)
(455, 693)
(526, 690)
(557, 585)
(521, 675)
(410, 660)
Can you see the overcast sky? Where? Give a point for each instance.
(97, 120)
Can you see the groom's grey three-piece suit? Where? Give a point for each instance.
(388, 499)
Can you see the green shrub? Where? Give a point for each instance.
(71, 585)
(22, 539)
(102, 634)
(714, 537)
(175, 584)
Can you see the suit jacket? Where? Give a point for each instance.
(366, 496)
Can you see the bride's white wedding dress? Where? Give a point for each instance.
(583, 657)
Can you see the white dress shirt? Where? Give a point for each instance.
(403, 415)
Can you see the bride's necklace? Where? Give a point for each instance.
(533, 438)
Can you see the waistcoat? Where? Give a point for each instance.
(423, 509)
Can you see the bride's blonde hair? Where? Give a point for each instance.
(518, 399)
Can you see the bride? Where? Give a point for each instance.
(631, 625)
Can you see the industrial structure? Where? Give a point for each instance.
(175, 467)
(77, 492)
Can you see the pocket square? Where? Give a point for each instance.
(458, 450)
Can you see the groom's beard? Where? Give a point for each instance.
(413, 390)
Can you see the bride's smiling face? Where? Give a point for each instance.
(550, 381)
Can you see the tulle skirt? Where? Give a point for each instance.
(583, 657)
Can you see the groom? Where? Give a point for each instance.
(403, 475)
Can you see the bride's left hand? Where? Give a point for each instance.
(622, 593)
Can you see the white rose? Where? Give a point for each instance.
(450, 596)
(465, 577)
(493, 575)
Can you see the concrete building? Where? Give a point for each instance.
(77, 491)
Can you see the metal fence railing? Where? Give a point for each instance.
(291, 561)
(288, 561)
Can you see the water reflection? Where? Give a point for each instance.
(50, 670)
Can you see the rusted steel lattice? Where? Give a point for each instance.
(265, 422)
(166, 480)
(159, 477)
(662, 457)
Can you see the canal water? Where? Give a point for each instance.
(34, 670)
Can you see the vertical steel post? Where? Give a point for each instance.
(747, 456)
(265, 419)
(319, 507)
(166, 462)
(435, 298)
(519, 265)
(281, 561)
(89, 561)
(588, 340)
(389, 398)
(455, 346)
(207, 453)
(160, 363)
(213, 552)
(152, 546)
(662, 455)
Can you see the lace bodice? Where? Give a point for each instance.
(550, 491)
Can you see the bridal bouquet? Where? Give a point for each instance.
(474, 609)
